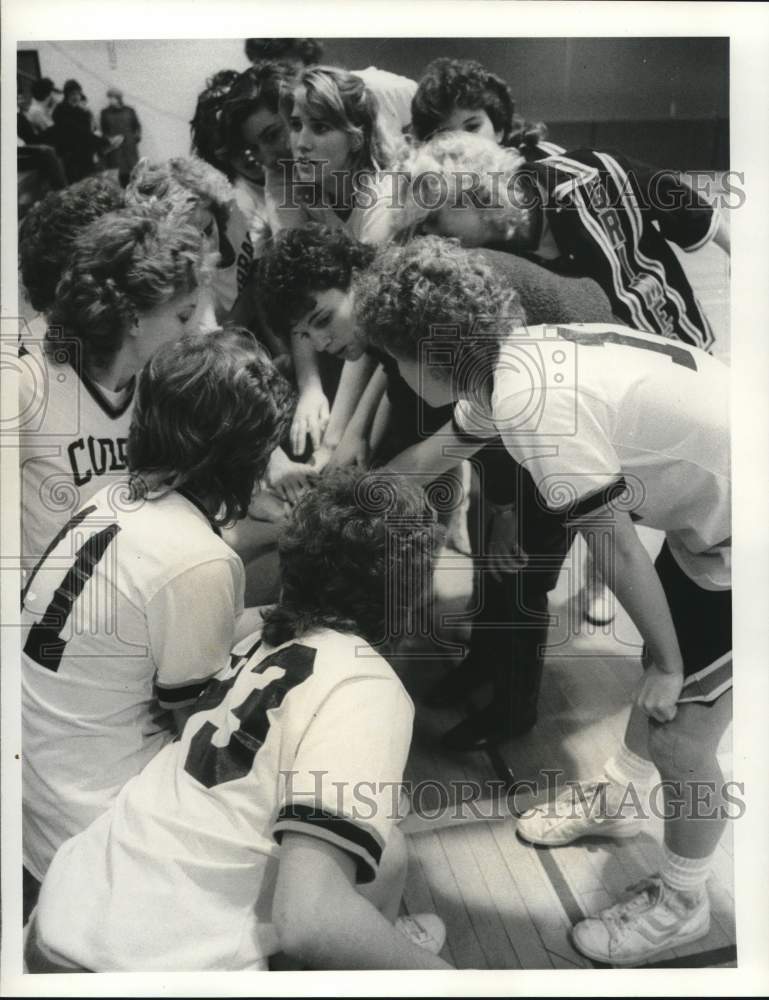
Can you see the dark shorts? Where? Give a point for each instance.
(703, 624)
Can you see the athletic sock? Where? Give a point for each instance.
(685, 874)
(626, 768)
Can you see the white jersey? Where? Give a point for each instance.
(73, 437)
(309, 737)
(594, 409)
(127, 616)
(376, 216)
(256, 213)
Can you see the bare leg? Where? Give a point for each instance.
(386, 891)
(684, 751)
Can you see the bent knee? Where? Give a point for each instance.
(681, 752)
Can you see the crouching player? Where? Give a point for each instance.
(613, 426)
(270, 824)
(136, 601)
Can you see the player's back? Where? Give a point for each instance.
(181, 870)
(585, 403)
(91, 718)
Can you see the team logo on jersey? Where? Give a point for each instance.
(89, 457)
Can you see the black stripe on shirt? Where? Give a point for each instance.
(113, 412)
(311, 819)
(600, 498)
(177, 697)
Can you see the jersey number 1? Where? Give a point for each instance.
(44, 643)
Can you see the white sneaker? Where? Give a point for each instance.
(651, 920)
(424, 929)
(579, 811)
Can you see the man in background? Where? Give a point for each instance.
(119, 119)
(74, 139)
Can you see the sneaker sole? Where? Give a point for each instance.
(659, 950)
(622, 833)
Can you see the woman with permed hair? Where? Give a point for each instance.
(132, 283)
(461, 95)
(203, 197)
(49, 229)
(138, 600)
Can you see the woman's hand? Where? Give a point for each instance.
(353, 449)
(311, 417)
(659, 692)
(321, 457)
(502, 546)
(268, 506)
(290, 479)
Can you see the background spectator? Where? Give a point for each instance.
(120, 119)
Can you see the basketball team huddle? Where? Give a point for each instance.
(357, 286)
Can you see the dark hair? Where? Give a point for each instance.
(258, 87)
(49, 230)
(210, 409)
(206, 126)
(307, 50)
(122, 265)
(348, 543)
(305, 261)
(41, 89)
(450, 83)
(431, 288)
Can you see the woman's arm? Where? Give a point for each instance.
(352, 384)
(324, 923)
(628, 570)
(354, 445)
(312, 410)
(380, 423)
(435, 455)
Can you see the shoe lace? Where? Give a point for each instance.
(554, 810)
(641, 897)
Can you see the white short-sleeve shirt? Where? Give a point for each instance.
(594, 409)
(308, 737)
(128, 615)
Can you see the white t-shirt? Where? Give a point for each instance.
(310, 737)
(587, 407)
(72, 440)
(127, 616)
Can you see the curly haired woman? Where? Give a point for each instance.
(461, 95)
(249, 827)
(131, 285)
(613, 426)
